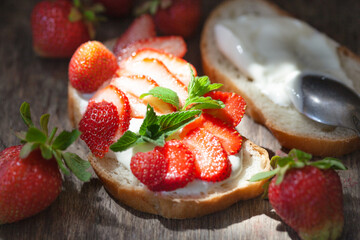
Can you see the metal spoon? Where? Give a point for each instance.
(326, 101)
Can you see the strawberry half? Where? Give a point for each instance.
(106, 118)
(211, 161)
(234, 107)
(230, 139)
(149, 167)
(181, 168)
(91, 65)
(174, 45)
(141, 28)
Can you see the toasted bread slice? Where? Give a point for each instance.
(292, 129)
(124, 186)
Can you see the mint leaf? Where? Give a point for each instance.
(170, 123)
(65, 139)
(204, 103)
(159, 141)
(165, 94)
(35, 135)
(44, 121)
(199, 86)
(150, 119)
(127, 140)
(77, 165)
(25, 114)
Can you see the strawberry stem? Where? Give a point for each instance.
(52, 135)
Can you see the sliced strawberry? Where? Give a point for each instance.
(157, 71)
(234, 107)
(171, 44)
(181, 168)
(177, 66)
(211, 161)
(230, 139)
(149, 167)
(139, 84)
(106, 118)
(141, 28)
(137, 106)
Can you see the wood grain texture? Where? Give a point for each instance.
(86, 211)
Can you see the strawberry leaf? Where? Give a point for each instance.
(329, 162)
(263, 175)
(27, 149)
(165, 94)
(77, 165)
(35, 135)
(46, 151)
(65, 139)
(25, 114)
(58, 156)
(44, 121)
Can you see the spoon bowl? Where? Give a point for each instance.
(326, 100)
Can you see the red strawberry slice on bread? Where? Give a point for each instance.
(234, 107)
(91, 65)
(174, 45)
(181, 167)
(177, 66)
(149, 167)
(211, 161)
(157, 71)
(230, 139)
(106, 118)
(137, 85)
(141, 28)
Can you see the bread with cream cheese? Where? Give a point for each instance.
(292, 129)
(124, 186)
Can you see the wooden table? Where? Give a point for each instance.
(86, 211)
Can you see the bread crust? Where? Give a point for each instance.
(176, 207)
(319, 146)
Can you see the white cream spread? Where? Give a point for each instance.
(196, 187)
(273, 50)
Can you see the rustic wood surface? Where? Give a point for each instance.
(86, 211)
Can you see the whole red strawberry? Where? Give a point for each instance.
(55, 32)
(307, 195)
(90, 66)
(36, 184)
(30, 179)
(175, 17)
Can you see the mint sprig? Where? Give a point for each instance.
(155, 129)
(197, 88)
(51, 145)
(295, 159)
